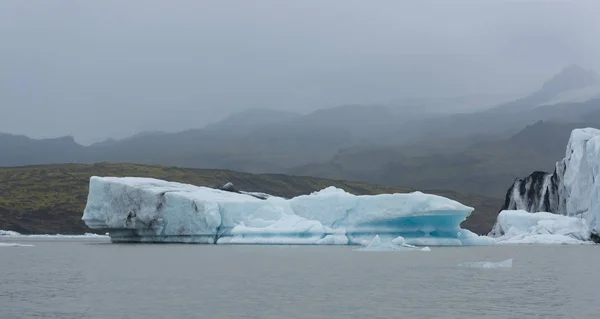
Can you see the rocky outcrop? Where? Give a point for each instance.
(537, 192)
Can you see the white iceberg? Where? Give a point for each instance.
(488, 264)
(573, 189)
(149, 210)
(522, 227)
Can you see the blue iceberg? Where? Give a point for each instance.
(133, 209)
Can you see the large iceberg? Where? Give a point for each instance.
(149, 210)
(573, 189)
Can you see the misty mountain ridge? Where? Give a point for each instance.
(575, 90)
(582, 84)
(572, 77)
(249, 119)
(20, 150)
(473, 152)
(451, 105)
(113, 141)
(566, 86)
(483, 167)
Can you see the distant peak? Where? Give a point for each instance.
(252, 118)
(576, 71)
(571, 77)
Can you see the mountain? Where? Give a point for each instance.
(567, 112)
(570, 80)
(451, 105)
(280, 141)
(245, 121)
(258, 141)
(347, 142)
(572, 91)
(51, 198)
(572, 77)
(484, 167)
(547, 138)
(472, 153)
(360, 120)
(271, 141)
(475, 153)
(112, 141)
(17, 150)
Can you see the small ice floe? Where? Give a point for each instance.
(397, 244)
(488, 264)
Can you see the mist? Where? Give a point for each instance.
(111, 68)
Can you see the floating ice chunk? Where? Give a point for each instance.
(14, 245)
(376, 242)
(399, 241)
(388, 245)
(377, 245)
(488, 264)
(521, 227)
(463, 237)
(548, 239)
(469, 238)
(333, 240)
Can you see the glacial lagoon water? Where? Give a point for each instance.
(76, 278)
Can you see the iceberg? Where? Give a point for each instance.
(522, 227)
(134, 209)
(573, 189)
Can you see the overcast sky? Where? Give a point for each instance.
(94, 69)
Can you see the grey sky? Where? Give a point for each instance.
(95, 69)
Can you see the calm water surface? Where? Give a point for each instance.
(95, 279)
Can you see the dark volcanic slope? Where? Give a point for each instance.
(51, 198)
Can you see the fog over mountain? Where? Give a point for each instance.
(409, 145)
(101, 69)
